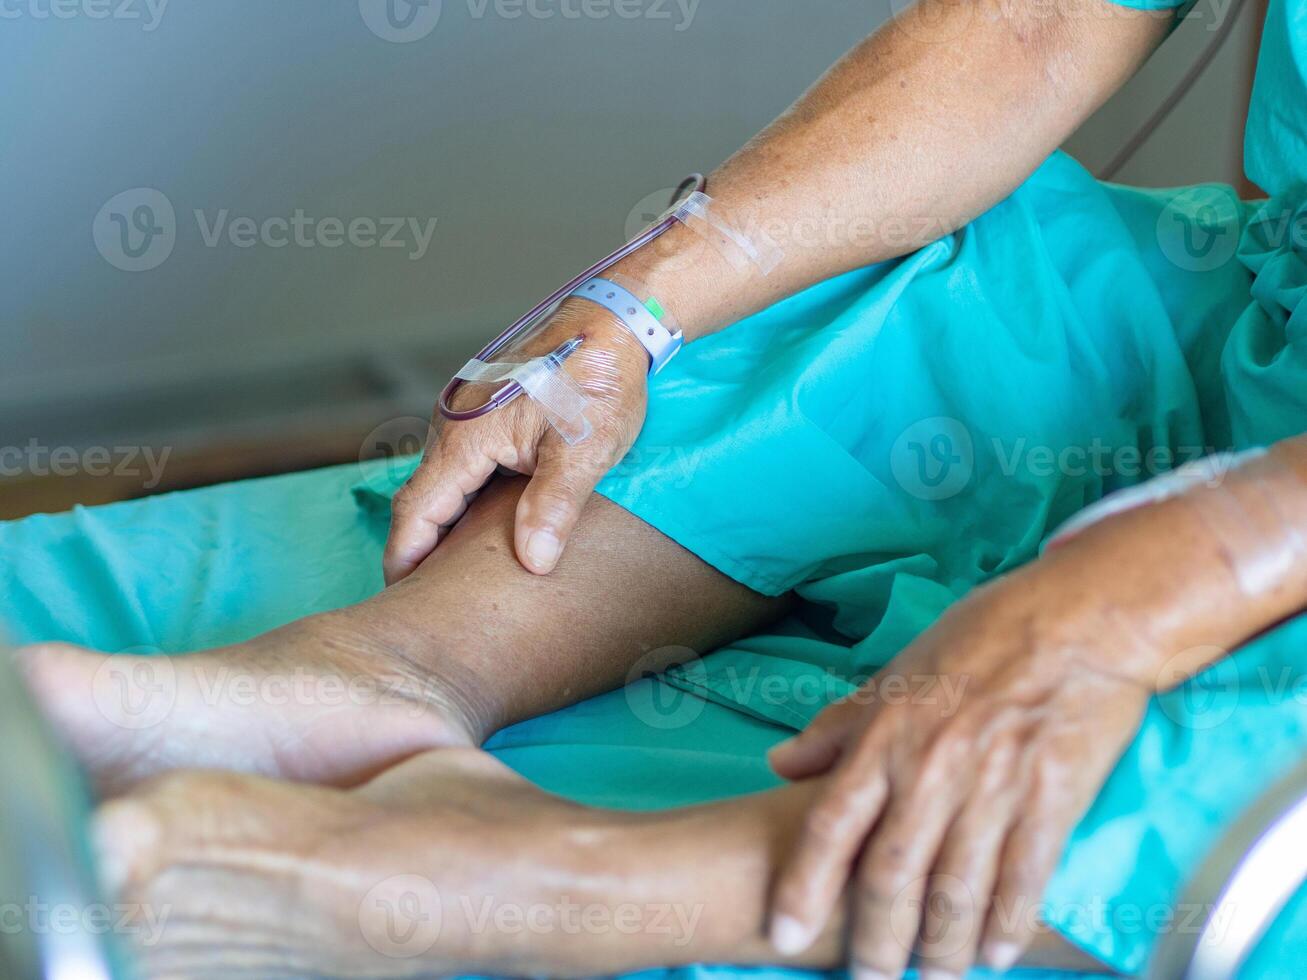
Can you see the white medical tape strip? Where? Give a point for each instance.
(545, 383)
(1208, 471)
(698, 207)
(1281, 548)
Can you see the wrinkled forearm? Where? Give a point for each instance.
(1176, 586)
(926, 124)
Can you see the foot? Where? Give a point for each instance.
(304, 703)
(448, 863)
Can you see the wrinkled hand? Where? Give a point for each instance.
(610, 367)
(951, 801)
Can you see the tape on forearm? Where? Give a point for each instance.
(706, 218)
(546, 383)
(1208, 471)
(1262, 542)
(1240, 500)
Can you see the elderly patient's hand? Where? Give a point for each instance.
(611, 368)
(949, 814)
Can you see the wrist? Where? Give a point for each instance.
(1125, 633)
(691, 280)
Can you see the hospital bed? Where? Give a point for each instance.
(92, 576)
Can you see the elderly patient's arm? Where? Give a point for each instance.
(931, 121)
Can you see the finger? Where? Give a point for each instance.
(812, 881)
(551, 504)
(891, 876)
(1030, 855)
(434, 497)
(960, 886)
(817, 748)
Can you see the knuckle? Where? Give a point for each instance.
(943, 758)
(828, 822)
(1001, 760)
(407, 500)
(954, 745)
(884, 886)
(888, 870)
(555, 502)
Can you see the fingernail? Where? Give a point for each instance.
(929, 974)
(543, 549)
(790, 936)
(1002, 955)
(866, 973)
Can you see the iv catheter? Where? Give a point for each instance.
(511, 390)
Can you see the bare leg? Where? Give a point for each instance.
(450, 863)
(468, 644)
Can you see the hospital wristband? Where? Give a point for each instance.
(643, 318)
